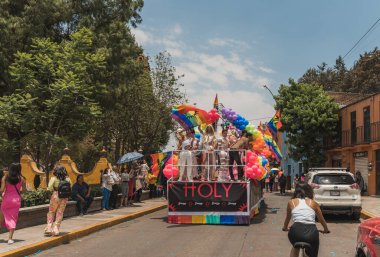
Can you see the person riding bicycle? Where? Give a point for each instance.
(302, 209)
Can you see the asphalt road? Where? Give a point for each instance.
(152, 236)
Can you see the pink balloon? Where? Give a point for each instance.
(170, 172)
(252, 159)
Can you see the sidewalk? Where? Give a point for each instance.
(371, 206)
(31, 240)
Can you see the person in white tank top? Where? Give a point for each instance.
(302, 210)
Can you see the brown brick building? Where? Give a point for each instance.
(357, 145)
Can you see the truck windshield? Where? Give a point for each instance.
(333, 179)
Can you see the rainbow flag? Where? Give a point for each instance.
(271, 143)
(158, 157)
(216, 107)
(261, 128)
(275, 124)
(190, 116)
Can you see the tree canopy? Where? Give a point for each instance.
(362, 78)
(72, 73)
(308, 114)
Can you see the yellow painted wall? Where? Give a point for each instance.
(29, 170)
(92, 177)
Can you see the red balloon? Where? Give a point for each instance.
(170, 172)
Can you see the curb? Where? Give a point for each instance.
(66, 238)
(366, 215)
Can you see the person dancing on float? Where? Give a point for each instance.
(223, 147)
(235, 148)
(194, 148)
(185, 156)
(209, 144)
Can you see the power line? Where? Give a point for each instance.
(352, 48)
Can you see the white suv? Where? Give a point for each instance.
(335, 190)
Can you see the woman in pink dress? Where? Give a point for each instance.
(12, 185)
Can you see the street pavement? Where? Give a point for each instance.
(27, 236)
(151, 235)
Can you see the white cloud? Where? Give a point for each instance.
(250, 104)
(177, 29)
(226, 69)
(142, 37)
(266, 70)
(222, 42)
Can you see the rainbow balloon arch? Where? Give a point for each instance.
(217, 202)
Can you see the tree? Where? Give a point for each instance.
(329, 78)
(55, 100)
(151, 97)
(308, 115)
(366, 73)
(20, 22)
(362, 78)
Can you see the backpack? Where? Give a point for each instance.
(64, 189)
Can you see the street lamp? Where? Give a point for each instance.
(265, 86)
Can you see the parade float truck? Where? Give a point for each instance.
(213, 202)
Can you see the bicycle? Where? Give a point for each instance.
(303, 245)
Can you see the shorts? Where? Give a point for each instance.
(308, 233)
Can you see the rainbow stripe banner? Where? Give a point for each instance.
(189, 116)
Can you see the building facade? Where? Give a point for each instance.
(288, 165)
(357, 145)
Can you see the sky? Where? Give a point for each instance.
(233, 48)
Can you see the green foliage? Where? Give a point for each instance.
(71, 73)
(362, 78)
(35, 197)
(55, 100)
(308, 115)
(151, 96)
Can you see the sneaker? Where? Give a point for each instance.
(55, 231)
(47, 231)
(10, 241)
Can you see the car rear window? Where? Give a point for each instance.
(333, 179)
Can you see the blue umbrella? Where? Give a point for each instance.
(273, 170)
(129, 157)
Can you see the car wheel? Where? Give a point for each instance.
(356, 216)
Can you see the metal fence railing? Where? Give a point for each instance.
(209, 165)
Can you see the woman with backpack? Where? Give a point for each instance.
(12, 185)
(60, 186)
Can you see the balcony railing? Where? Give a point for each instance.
(361, 135)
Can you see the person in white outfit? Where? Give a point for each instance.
(209, 143)
(186, 156)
